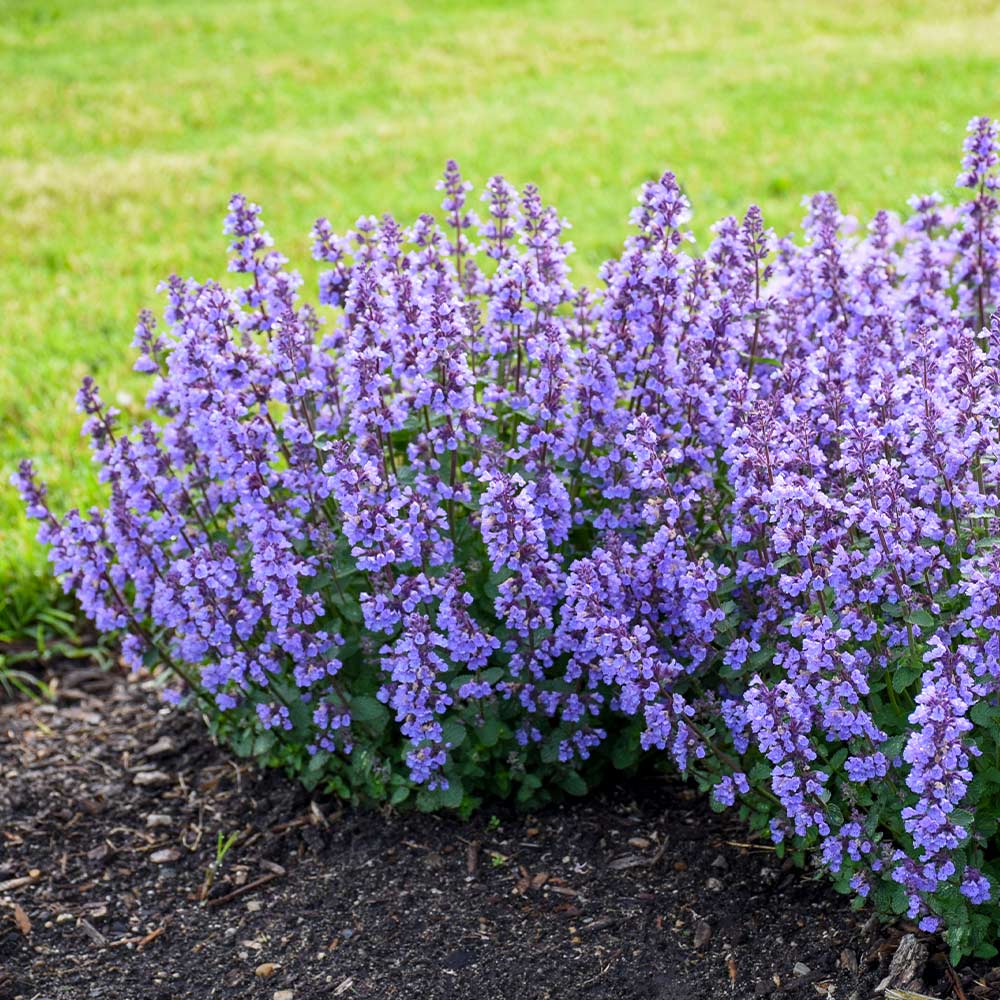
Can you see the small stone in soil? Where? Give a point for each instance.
(283, 995)
(713, 885)
(146, 779)
(265, 970)
(158, 819)
(165, 856)
(702, 933)
(801, 969)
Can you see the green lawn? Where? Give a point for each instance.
(124, 126)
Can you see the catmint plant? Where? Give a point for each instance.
(464, 529)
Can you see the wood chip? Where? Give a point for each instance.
(907, 965)
(21, 919)
(600, 924)
(563, 890)
(630, 861)
(16, 883)
(162, 746)
(849, 961)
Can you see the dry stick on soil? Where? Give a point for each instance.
(92, 932)
(955, 982)
(150, 937)
(660, 851)
(750, 847)
(291, 824)
(249, 887)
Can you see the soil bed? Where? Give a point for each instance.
(110, 813)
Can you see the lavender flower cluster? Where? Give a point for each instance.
(467, 528)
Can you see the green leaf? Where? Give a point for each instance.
(550, 750)
(963, 818)
(310, 777)
(762, 657)
(451, 797)
(351, 610)
(489, 732)
(369, 710)
(903, 676)
(922, 618)
(625, 754)
(573, 783)
(242, 742)
(982, 713)
(984, 949)
(453, 732)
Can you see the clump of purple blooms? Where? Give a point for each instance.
(467, 529)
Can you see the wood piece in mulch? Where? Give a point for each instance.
(107, 888)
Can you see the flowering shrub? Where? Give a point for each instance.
(473, 530)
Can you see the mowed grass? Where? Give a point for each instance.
(124, 127)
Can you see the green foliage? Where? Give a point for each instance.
(40, 625)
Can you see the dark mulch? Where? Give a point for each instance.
(110, 810)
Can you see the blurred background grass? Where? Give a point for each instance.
(124, 126)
